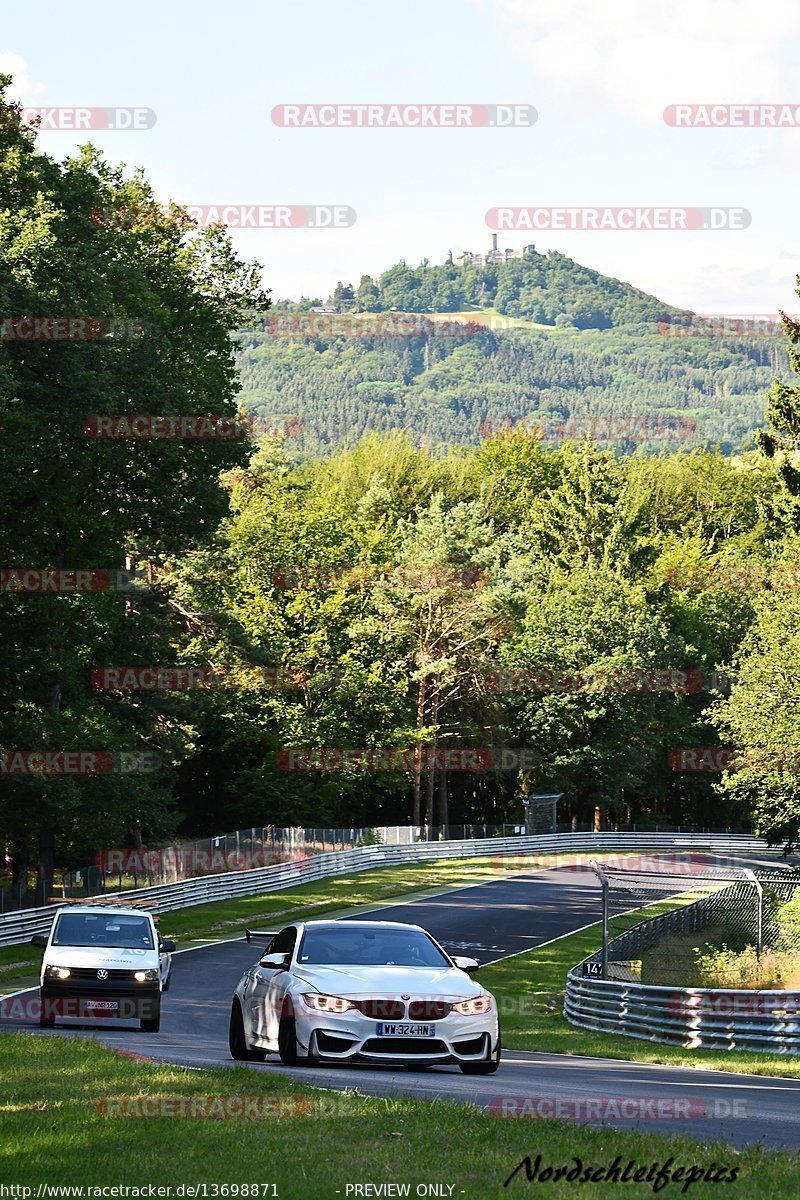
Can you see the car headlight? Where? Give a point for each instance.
(144, 976)
(476, 1007)
(57, 973)
(328, 1004)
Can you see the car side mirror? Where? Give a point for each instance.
(275, 962)
(470, 965)
(167, 945)
(40, 940)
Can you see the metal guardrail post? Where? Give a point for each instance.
(751, 876)
(604, 887)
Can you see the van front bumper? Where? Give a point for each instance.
(91, 1000)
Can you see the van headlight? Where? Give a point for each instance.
(145, 976)
(478, 1006)
(57, 972)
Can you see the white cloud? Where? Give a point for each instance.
(23, 88)
(641, 57)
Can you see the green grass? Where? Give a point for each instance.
(54, 1133)
(530, 994)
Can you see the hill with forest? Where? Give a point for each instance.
(537, 341)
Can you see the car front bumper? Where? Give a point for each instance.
(355, 1036)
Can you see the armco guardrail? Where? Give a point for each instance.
(711, 1018)
(18, 927)
(708, 1018)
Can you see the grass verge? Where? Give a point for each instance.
(54, 1133)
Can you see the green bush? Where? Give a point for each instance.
(720, 966)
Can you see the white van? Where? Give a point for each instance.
(103, 960)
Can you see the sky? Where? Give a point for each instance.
(599, 73)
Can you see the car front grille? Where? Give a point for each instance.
(428, 1010)
(382, 1009)
(91, 973)
(404, 1045)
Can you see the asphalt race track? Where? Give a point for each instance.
(486, 921)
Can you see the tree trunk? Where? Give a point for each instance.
(47, 857)
(431, 778)
(444, 815)
(19, 860)
(416, 819)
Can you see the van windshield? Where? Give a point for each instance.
(127, 932)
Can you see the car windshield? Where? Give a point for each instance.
(350, 945)
(103, 929)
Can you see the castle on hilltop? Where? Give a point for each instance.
(492, 256)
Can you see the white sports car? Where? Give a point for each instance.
(370, 991)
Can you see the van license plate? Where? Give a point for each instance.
(101, 1005)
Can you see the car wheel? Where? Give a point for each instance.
(151, 1024)
(236, 1042)
(487, 1067)
(166, 983)
(288, 1049)
(46, 1022)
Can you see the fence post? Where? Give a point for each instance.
(604, 886)
(760, 910)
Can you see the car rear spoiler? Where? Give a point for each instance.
(266, 934)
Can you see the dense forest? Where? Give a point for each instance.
(514, 613)
(536, 341)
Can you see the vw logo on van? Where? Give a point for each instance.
(102, 973)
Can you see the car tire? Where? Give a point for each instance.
(487, 1067)
(151, 1024)
(46, 1022)
(167, 982)
(236, 1041)
(288, 1049)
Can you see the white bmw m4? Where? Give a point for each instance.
(363, 991)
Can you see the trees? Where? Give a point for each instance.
(160, 301)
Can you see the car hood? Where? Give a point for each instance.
(110, 957)
(388, 981)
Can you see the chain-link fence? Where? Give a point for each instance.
(711, 925)
(116, 869)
